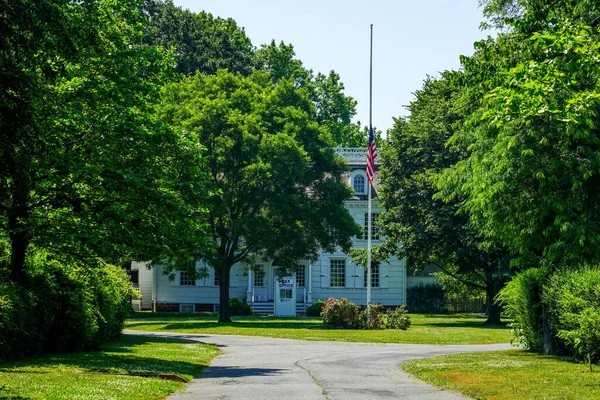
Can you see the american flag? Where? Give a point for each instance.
(371, 156)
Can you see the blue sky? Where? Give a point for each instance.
(412, 38)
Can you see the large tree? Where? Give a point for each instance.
(201, 42)
(278, 187)
(333, 108)
(427, 229)
(532, 169)
(85, 170)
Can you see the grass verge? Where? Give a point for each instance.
(77, 375)
(508, 375)
(425, 329)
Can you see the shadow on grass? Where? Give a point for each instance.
(115, 356)
(208, 324)
(466, 324)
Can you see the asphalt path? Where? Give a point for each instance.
(267, 368)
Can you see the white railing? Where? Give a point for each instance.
(352, 154)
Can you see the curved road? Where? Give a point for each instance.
(268, 368)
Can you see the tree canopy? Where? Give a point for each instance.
(278, 186)
(531, 171)
(426, 229)
(201, 42)
(85, 169)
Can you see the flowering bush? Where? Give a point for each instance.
(377, 318)
(341, 313)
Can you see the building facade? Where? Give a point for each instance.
(330, 275)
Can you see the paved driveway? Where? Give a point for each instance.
(282, 369)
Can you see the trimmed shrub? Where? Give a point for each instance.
(21, 330)
(112, 293)
(428, 298)
(62, 307)
(341, 313)
(314, 310)
(573, 300)
(239, 307)
(522, 302)
(397, 318)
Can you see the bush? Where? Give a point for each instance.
(428, 298)
(341, 313)
(377, 318)
(20, 329)
(239, 307)
(62, 307)
(573, 300)
(398, 318)
(522, 302)
(314, 310)
(112, 292)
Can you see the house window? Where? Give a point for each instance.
(216, 280)
(259, 276)
(185, 280)
(358, 184)
(187, 308)
(337, 273)
(374, 227)
(374, 275)
(301, 276)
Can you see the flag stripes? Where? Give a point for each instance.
(371, 156)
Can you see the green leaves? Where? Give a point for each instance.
(87, 171)
(280, 187)
(532, 143)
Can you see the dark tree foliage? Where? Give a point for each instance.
(85, 170)
(201, 42)
(428, 229)
(278, 187)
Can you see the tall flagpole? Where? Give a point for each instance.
(369, 191)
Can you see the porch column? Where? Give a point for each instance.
(309, 297)
(249, 291)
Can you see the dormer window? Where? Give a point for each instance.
(358, 180)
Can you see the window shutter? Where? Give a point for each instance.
(177, 279)
(199, 266)
(324, 273)
(350, 274)
(359, 280)
(384, 271)
(234, 277)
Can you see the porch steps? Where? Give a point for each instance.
(268, 308)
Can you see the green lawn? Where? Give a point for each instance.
(509, 375)
(78, 375)
(429, 329)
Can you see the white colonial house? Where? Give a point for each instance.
(331, 275)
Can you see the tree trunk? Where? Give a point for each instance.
(18, 217)
(492, 308)
(547, 331)
(493, 311)
(224, 277)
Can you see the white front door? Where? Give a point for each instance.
(285, 296)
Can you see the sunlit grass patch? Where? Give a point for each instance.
(92, 375)
(425, 329)
(509, 375)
